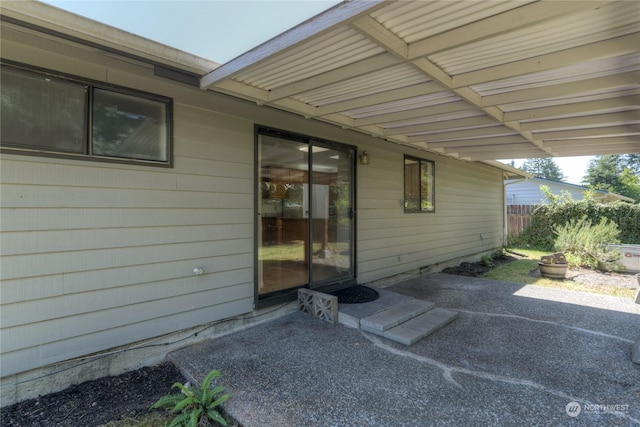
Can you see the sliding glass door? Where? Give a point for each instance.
(305, 217)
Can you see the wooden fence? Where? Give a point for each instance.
(518, 218)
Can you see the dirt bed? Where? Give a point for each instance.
(94, 403)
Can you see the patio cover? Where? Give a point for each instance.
(477, 80)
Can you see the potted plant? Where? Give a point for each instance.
(553, 266)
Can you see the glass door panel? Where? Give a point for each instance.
(305, 218)
(283, 260)
(331, 209)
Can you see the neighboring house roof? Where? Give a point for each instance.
(528, 191)
(478, 81)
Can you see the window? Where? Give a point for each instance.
(419, 178)
(46, 114)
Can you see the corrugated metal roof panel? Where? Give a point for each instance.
(391, 78)
(435, 118)
(583, 86)
(406, 104)
(608, 21)
(499, 131)
(416, 20)
(563, 100)
(586, 70)
(335, 49)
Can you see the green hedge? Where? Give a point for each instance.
(547, 217)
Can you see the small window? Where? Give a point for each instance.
(128, 126)
(419, 178)
(46, 114)
(43, 113)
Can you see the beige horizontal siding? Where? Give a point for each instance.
(467, 221)
(98, 255)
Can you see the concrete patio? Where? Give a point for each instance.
(516, 355)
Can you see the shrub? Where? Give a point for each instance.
(194, 404)
(586, 244)
(560, 210)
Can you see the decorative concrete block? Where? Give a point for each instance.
(326, 307)
(317, 304)
(305, 302)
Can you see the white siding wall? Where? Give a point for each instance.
(528, 192)
(97, 255)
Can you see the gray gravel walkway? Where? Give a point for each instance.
(517, 355)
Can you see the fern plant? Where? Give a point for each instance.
(193, 404)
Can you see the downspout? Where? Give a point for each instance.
(505, 225)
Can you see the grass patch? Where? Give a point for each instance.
(285, 252)
(520, 272)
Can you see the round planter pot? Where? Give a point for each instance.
(553, 271)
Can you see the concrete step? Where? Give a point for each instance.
(413, 330)
(395, 315)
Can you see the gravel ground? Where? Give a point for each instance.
(591, 277)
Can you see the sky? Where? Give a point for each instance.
(222, 30)
(215, 30)
(573, 168)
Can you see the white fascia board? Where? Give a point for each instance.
(510, 170)
(84, 29)
(313, 27)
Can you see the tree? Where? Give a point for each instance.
(632, 161)
(615, 174)
(543, 168)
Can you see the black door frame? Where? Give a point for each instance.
(332, 284)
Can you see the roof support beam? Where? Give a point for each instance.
(393, 44)
(385, 38)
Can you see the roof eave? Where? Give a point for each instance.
(325, 21)
(509, 172)
(42, 16)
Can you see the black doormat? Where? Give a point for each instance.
(356, 294)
